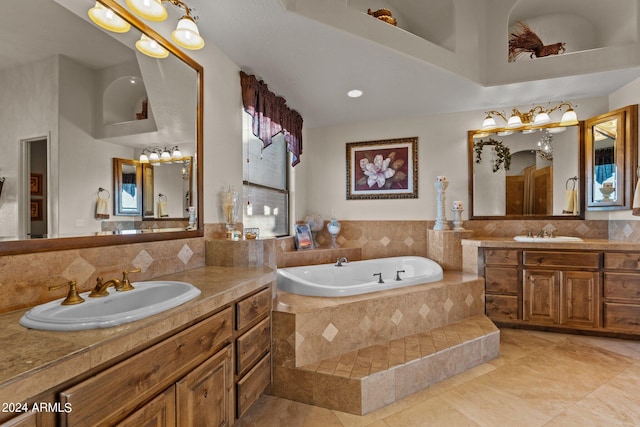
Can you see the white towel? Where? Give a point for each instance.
(570, 197)
(162, 209)
(636, 200)
(102, 208)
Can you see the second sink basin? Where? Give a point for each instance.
(147, 299)
(557, 239)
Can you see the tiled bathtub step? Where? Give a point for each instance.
(370, 378)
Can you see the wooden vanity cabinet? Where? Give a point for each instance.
(622, 291)
(561, 288)
(201, 351)
(502, 284)
(252, 348)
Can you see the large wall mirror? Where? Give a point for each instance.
(75, 98)
(611, 158)
(527, 174)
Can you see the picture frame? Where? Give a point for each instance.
(36, 209)
(385, 169)
(35, 183)
(304, 238)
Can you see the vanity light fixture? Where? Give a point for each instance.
(536, 116)
(151, 48)
(186, 33)
(105, 18)
(156, 156)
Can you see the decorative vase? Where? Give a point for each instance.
(230, 208)
(333, 227)
(457, 219)
(441, 186)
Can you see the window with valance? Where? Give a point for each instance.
(271, 116)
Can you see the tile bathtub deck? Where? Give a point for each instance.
(539, 379)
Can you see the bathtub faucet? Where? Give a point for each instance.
(398, 274)
(379, 277)
(342, 260)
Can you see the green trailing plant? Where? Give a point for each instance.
(503, 154)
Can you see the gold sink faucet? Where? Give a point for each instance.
(72, 297)
(119, 285)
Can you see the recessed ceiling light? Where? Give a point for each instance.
(355, 93)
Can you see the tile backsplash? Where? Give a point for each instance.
(24, 279)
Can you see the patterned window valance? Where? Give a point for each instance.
(271, 115)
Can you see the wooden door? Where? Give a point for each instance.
(541, 296)
(579, 305)
(204, 397)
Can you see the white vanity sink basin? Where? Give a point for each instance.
(147, 299)
(557, 239)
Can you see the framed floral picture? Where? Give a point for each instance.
(386, 169)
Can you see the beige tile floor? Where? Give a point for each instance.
(539, 379)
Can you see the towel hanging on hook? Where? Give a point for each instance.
(1, 184)
(162, 206)
(636, 196)
(102, 205)
(571, 197)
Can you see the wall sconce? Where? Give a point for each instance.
(536, 116)
(156, 156)
(185, 35)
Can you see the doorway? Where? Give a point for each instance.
(34, 206)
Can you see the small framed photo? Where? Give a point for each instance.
(36, 210)
(304, 238)
(36, 184)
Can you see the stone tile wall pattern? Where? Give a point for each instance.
(24, 278)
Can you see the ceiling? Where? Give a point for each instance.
(313, 65)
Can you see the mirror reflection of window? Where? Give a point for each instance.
(605, 135)
(129, 188)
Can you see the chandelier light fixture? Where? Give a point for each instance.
(185, 35)
(536, 116)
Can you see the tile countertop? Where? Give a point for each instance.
(34, 361)
(587, 244)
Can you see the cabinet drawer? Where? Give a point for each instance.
(253, 384)
(622, 286)
(252, 308)
(253, 345)
(622, 261)
(113, 393)
(622, 316)
(501, 280)
(501, 307)
(501, 257)
(561, 259)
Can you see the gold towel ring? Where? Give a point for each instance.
(162, 197)
(573, 180)
(102, 190)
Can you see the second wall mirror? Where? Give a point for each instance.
(611, 158)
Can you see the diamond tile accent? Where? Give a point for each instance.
(185, 254)
(365, 324)
(385, 241)
(469, 300)
(583, 229)
(448, 304)
(396, 317)
(79, 270)
(142, 261)
(627, 230)
(424, 311)
(299, 339)
(330, 332)
(409, 241)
